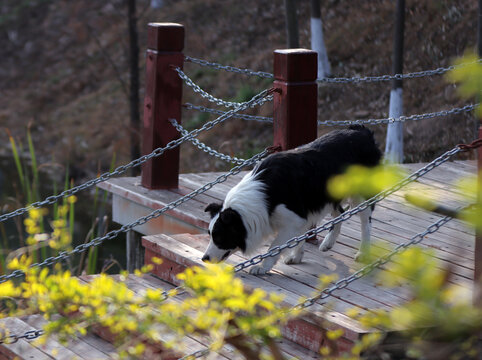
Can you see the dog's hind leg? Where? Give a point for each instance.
(331, 237)
(366, 225)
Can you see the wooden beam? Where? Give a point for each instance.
(295, 103)
(163, 97)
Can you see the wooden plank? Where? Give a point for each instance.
(399, 204)
(280, 276)
(395, 238)
(191, 256)
(82, 346)
(23, 349)
(129, 188)
(140, 284)
(451, 240)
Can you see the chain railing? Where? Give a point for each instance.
(190, 106)
(343, 283)
(257, 100)
(336, 80)
(112, 234)
(203, 147)
(275, 251)
(197, 89)
(416, 117)
(233, 69)
(64, 255)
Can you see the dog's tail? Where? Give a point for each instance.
(359, 128)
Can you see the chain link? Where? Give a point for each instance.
(206, 148)
(28, 335)
(196, 354)
(381, 78)
(204, 94)
(453, 111)
(190, 106)
(340, 80)
(256, 100)
(349, 213)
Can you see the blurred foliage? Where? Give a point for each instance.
(364, 181)
(220, 307)
(469, 78)
(440, 315)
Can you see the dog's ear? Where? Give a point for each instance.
(228, 215)
(213, 209)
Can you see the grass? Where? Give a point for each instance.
(27, 191)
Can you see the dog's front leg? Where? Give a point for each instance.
(363, 253)
(268, 263)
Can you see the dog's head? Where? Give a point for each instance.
(227, 233)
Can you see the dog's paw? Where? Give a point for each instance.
(293, 258)
(362, 256)
(328, 242)
(258, 270)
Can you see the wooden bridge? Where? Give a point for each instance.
(394, 222)
(179, 236)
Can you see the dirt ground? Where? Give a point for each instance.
(64, 71)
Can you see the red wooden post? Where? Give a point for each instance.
(295, 103)
(162, 101)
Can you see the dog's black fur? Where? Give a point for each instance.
(296, 179)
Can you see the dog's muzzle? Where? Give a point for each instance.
(207, 258)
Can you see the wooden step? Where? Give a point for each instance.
(85, 347)
(181, 251)
(98, 345)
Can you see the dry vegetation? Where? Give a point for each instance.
(64, 68)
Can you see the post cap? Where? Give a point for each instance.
(295, 65)
(165, 37)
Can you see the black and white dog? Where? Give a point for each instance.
(285, 194)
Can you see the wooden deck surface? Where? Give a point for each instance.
(394, 222)
(98, 345)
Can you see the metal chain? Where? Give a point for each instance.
(196, 354)
(340, 80)
(156, 213)
(112, 234)
(275, 251)
(228, 68)
(190, 106)
(28, 335)
(417, 74)
(343, 283)
(258, 99)
(206, 148)
(206, 95)
(453, 111)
